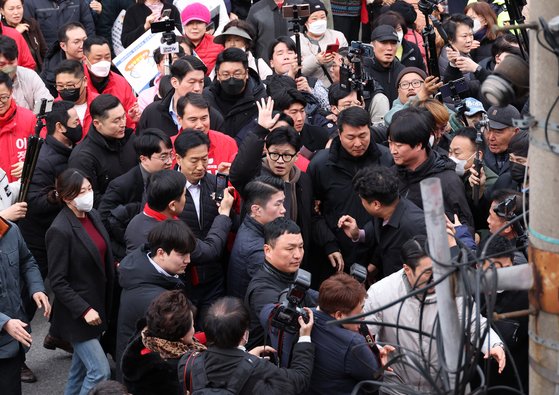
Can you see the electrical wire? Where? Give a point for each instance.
(547, 124)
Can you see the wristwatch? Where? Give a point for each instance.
(499, 344)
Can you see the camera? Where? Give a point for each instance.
(358, 272)
(454, 88)
(357, 48)
(509, 82)
(169, 43)
(286, 315)
(295, 10)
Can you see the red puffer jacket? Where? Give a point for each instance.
(207, 50)
(24, 58)
(16, 125)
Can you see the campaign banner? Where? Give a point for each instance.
(136, 61)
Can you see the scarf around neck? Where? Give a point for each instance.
(290, 188)
(168, 349)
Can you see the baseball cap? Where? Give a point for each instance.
(232, 31)
(316, 5)
(195, 12)
(474, 106)
(384, 33)
(501, 117)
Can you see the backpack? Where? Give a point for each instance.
(195, 376)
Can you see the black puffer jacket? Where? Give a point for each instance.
(441, 167)
(386, 77)
(332, 171)
(237, 111)
(103, 160)
(54, 56)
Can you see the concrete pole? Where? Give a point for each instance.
(544, 212)
(435, 221)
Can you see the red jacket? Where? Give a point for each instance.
(207, 50)
(14, 132)
(223, 148)
(24, 58)
(121, 89)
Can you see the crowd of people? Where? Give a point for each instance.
(206, 231)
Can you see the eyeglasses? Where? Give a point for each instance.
(164, 157)
(4, 99)
(285, 157)
(237, 74)
(71, 85)
(414, 83)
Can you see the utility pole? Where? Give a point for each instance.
(544, 211)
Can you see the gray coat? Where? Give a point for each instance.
(17, 266)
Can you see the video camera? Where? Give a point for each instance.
(358, 272)
(352, 76)
(169, 43)
(286, 315)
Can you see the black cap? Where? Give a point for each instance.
(316, 5)
(501, 117)
(384, 33)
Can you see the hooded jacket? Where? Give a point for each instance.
(454, 195)
(332, 171)
(102, 159)
(385, 76)
(237, 111)
(141, 283)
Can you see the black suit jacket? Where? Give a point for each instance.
(78, 276)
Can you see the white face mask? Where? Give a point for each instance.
(101, 69)
(318, 28)
(84, 203)
(400, 36)
(477, 25)
(460, 164)
(431, 140)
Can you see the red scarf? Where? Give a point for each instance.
(155, 214)
(10, 113)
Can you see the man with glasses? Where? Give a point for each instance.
(72, 85)
(235, 91)
(125, 194)
(108, 149)
(281, 145)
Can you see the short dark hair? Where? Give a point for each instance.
(340, 292)
(6, 80)
(64, 29)
(451, 24)
(391, 18)
(519, 144)
(8, 48)
(284, 135)
(412, 126)
(94, 40)
(377, 183)
(337, 93)
(195, 62)
(180, 68)
(505, 43)
(149, 142)
(58, 114)
(70, 66)
(278, 227)
(231, 55)
(226, 321)
(188, 139)
(286, 98)
(413, 250)
(260, 190)
(281, 40)
(169, 316)
(163, 187)
(470, 134)
(109, 387)
(499, 247)
(353, 116)
(158, 56)
(194, 99)
(171, 234)
(101, 105)
(279, 83)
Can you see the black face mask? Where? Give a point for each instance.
(233, 86)
(74, 134)
(70, 94)
(517, 172)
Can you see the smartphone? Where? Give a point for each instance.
(42, 106)
(303, 10)
(165, 14)
(221, 182)
(332, 48)
(453, 88)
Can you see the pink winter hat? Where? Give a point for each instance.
(195, 12)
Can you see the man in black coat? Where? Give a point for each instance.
(383, 66)
(226, 330)
(283, 251)
(163, 114)
(63, 132)
(282, 145)
(395, 219)
(124, 196)
(332, 171)
(235, 91)
(108, 149)
(148, 272)
(408, 137)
